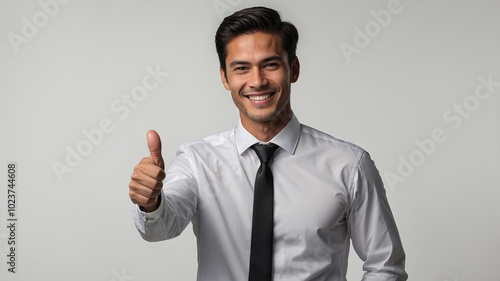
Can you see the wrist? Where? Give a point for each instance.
(152, 207)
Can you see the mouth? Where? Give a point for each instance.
(260, 97)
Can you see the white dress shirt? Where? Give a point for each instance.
(327, 193)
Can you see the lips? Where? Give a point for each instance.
(260, 97)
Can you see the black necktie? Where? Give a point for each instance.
(261, 250)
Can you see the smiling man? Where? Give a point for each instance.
(270, 199)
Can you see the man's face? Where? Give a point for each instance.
(259, 75)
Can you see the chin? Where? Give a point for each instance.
(262, 117)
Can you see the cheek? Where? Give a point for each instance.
(235, 86)
(281, 79)
(235, 93)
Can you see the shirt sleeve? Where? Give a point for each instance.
(178, 203)
(372, 228)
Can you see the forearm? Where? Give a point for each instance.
(160, 224)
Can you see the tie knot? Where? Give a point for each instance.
(265, 152)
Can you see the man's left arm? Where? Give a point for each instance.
(372, 228)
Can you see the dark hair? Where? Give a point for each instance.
(252, 20)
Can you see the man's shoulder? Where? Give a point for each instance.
(322, 139)
(214, 140)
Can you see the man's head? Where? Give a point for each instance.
(258, 64)
(252, 20)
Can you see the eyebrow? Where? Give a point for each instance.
(268, 59)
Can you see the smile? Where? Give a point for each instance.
(260, 97)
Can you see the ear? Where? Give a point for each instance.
(223, 78)
(295, 70)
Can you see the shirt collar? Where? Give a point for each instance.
(287, 138)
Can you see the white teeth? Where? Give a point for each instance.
(262, 97)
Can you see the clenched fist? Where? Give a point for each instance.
(147, 178)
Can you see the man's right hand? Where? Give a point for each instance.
(147, 178)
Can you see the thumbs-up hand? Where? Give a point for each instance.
(147, 178)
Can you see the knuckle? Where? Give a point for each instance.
(145, 160)
(159, 174)
(159, 185)
(162, 175)
(136, 174)
(133, 197)
(133, 186)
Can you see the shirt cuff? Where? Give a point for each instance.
(152, 216)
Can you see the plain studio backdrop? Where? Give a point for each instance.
(416, 83)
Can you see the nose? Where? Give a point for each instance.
(257, 78)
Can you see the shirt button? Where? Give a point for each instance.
(279, 276)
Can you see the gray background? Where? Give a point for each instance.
(407, 81)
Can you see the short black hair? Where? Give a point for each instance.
(251, 20)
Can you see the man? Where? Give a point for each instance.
(327, 192)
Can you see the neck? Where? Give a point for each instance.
(265, 131)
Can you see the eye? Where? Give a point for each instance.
(271, 65)
(240, 69)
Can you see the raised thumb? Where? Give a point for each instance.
(154, 146)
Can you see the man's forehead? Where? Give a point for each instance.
(255, 45)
